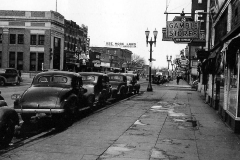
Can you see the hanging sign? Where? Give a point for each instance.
(182, 30)
(185, 30)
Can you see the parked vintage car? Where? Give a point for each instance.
(98, 88)
(132, 83)
(55, 93)
(9, 76)
(118, 82)
(8, 120)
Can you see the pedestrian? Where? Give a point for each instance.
(178, 78)
(19, 73)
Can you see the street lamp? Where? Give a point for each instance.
(169, 60)
(149, 88)
(172, 69)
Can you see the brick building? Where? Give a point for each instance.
(74, 44)
(113, 58)
(31, 40)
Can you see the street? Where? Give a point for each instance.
(172, 122)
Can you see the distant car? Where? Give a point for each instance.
(8, 120)
(132, 83)
(55, 93)
(9, 76)
(98, 88)
(118, 82)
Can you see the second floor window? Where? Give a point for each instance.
(12, 38)
(33, 40)
(20, 39)
(41, 40)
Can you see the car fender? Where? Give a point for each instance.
(6, 112)
(5, 80)
(122, 89)
(63, 103)
(3, 103)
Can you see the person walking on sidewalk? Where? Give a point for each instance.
(178, 78)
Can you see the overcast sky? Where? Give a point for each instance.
(116, 21)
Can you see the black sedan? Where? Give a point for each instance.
(132, 83)
(55, 93)
(98, 88)
(118, 82)
(9, 76)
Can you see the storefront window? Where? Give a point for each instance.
(233, 95)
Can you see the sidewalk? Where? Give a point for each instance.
(170, 123)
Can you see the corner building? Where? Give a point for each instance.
(31, 40)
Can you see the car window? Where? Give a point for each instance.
(59, 79)
(44, 79)
(88, 78)
(54, 79)
(116, 78)
(14, 71)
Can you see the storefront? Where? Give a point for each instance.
(231, 86)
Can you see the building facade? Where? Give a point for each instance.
(220, 62)
(31, 40)
(74, 45)
(113, 58)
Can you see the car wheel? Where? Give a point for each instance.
(7, 132)
(26, 117)
(2, 82)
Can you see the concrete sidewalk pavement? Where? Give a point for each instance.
(170, 123)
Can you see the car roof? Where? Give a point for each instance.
(66, 73)
(91, 73)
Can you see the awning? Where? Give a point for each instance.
(214, 53)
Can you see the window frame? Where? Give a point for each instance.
(12, 39)
(33, 41)
(20, 40)
(41, 39)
